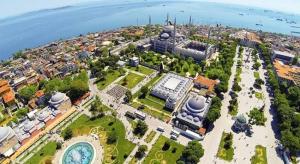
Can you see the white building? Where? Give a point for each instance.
(60, 101)
(173, 89)
(9, 142)
(193, 112)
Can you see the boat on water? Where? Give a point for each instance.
(295, 32)
(241, 14)
(295, 26)
(182, 11)
(279, 19)
(259, 24)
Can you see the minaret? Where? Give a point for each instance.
(208, 37)
(150, 28)
(149, 20)
(190, 26)
(167, 19)
(218, 37)
(174, 36)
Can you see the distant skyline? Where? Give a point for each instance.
(10, 8)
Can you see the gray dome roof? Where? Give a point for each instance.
(196, 104)
(57, 97)
(241, 119)
(4, 132)
(168, 28)
(165, 35)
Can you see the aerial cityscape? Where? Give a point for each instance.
(162, 88)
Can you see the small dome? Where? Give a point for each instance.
(241, 119)
(4, 132)
(28, 125)
(196, 104)
(165, 35)
(168, 28)
(183, 114)
(190, 117)
(57, 97)
(196, 119)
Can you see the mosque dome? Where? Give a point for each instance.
(241, 119)
(4, 132)
(168, 28)
(165, 35)
(57, 97)
(196, 105)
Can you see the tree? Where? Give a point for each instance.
(256, 117)
(97, 108)
(212, 115)
(68, 134)
(256, 65)
(144, 91)
(22, 112)
(58, 145)
(141, 128)
(141, 151)
(166, 146)
(112, 137)
(128, 96)
(28, 92)
(290, 141)
(191, 153)
(294, 95)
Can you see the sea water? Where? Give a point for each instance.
(41, 27)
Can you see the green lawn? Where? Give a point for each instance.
(132, 80)
(260, 156)
(159, 115)
(43, 155)
(106, 124)
(226, 154)
(152, 102)
(110, 77)
(259, 95)
(142, 69)
(150, 136)
(256, 75)
(149, 85)
(157, 155)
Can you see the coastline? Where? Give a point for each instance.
(39, 28)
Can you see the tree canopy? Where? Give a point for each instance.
(192, 153)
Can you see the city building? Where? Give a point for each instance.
(121, 63)
(248, 39)
(7, 93)
(288, 73)
(202, 82)
(171, 41)
(134, 61)
(60, 101)
(284, 56)
(193, 112)
(9, 142)
(173, 89)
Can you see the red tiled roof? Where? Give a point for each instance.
(9, 96)
(210, 84)
(39, 93)
(3, 82)
(202, 131)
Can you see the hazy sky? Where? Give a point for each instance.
(15, 7)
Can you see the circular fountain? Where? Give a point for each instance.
(79, 153)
